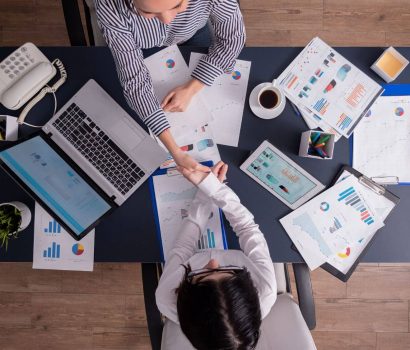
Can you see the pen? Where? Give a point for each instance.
(315, 137)
(296, 109)
(324, 138)
(320, 145)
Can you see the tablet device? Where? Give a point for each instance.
(281, 176)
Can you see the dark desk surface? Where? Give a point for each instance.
(129, 233)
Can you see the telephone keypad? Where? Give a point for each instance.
(17, 62)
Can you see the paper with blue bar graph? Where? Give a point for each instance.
(173, 195)
(55, 249)
(323, 83)
(335, 226)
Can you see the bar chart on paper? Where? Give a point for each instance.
(52, 227)
(55, 249)
(52, 252)
(350, 197)
(207, 240)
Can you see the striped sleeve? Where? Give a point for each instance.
(229, 31)
(132, 72)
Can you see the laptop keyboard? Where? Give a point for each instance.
(98, 148)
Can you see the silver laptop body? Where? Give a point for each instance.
(105, 141)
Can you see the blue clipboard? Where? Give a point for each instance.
(161, 172)
(389, 90)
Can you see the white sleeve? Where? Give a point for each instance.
(251, 239)
(184, 248)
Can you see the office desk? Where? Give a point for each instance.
(129, 233)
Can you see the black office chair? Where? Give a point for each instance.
(276, 328)
(75, 29)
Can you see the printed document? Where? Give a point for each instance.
(55, 249)
(335, 226)
(173, 195)
(199, 143)
(168, 70)
(324, 83)
(381, 143)
(226, 100)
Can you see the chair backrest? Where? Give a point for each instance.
(284, 328)
(74, 25)
(98, 37)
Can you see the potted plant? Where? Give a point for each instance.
(14, 218)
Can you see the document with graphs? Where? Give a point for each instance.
(55, 249)
(324, 83)
(172, 196)
(335, 226)
(381, 143)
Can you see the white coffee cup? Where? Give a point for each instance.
(272, 100)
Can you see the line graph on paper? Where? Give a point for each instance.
(381, 143)
(174, 196)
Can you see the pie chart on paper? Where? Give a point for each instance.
(170, 63)
(236, 75)
(78, 249)
(399, 111)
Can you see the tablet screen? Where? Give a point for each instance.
(56, 183)
(283, 178)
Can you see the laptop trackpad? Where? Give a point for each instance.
(126, 134)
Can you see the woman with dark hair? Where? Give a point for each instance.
(218, 297)
(129, 26)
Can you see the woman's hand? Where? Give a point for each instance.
(185, 161)
(178, 99)
(196, 177)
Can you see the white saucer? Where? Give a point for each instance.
(253, 103)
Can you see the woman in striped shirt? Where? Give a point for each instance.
(129, 26)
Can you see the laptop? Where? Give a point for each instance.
(85, 162)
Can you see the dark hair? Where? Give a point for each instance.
(220, 314)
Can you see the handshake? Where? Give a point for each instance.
(197, 176)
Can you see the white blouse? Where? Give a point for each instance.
(254, 253)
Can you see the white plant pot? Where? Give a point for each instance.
(25, 213)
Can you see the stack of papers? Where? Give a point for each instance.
(219, 107)
(328, 89)
(336, 226)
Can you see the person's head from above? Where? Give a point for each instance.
(218, 308)
(164, 10)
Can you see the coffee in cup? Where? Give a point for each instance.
(268, 99)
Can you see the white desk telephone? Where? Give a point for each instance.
(23, 73)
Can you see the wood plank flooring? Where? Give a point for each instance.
(104, 309)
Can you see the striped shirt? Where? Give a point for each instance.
(127, 33)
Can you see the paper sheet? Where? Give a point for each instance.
(199, 143)
(168, 70)
(328, 85)
(381, 143)
(225, 100)
(55, 249)
(335, 226)
(174, 195)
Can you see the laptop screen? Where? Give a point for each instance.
(56, 183)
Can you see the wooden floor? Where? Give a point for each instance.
(104, 309)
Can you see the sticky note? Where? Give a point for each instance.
(390, 64)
